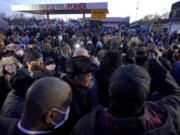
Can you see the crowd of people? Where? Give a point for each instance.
(89, 81)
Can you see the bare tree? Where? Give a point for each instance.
(2, 15)
(150, 19)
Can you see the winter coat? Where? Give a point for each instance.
(100, 122)
(161, 117)
(13, 106)
(20, 82)
(80, 105)
(8, 126)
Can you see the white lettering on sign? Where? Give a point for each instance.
(46, 7)
(75, 6)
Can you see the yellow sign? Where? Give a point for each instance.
(98, 14)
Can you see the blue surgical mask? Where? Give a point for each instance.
(57, 125)
(47, 49)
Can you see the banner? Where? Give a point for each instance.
(80, 6)
(98, 14)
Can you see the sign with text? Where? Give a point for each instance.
(46, 7)
(79, 6)
(98, 14)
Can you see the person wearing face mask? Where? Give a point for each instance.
(20, 54)
(79, 76)
(129, 111)
(2, 47)
(93, 86)
(65, 53)
(141, 56)
(45, 112)
(48, 51)
(46, 48)
(8, 66)
(50, 65)
(20, 82)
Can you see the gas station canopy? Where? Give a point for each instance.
(69, 8)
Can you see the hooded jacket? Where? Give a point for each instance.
(100, 122)
(157, 118)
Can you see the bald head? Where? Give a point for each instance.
(47, 93)
(81, 52)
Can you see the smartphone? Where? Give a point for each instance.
(60, 37)
(151, 56)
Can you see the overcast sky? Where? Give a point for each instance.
(117, 8)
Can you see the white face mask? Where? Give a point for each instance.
(10, 68)
(57, 125)
(60, 38)
(20, 53)
(51, 67)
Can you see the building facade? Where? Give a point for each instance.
(175, 11)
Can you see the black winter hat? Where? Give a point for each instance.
(130, 87)
(48, 61)
(31, 55)
(23, 75)
(80, 65)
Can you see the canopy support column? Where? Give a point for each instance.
(84, 17)
(48, 16)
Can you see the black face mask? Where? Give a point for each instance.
(130, 61)
(36, 68)
(10, 52)
(141, 53)
(47, 50)
(140, 60)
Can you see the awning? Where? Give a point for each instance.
(69, 8)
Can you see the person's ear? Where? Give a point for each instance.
(29, 64)
(50, 116)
